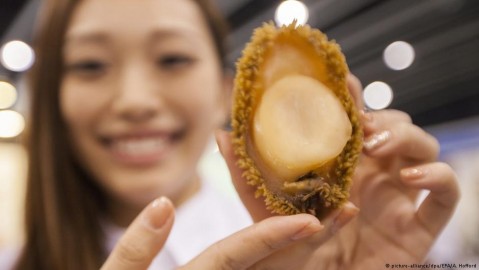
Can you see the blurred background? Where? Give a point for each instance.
(421, 57)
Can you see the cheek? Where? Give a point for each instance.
(199, 102)
(81, 112)
(202, 101)
(73, 113)
(79, 107)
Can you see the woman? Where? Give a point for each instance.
(125, 95)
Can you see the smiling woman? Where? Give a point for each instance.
(133, 99)
(124, 114)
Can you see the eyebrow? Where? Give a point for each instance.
(85, 38)
(160, 34)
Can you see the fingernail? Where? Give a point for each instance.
(413, 173)
(377, 140)
(343, 217)
(308, 230)
(157, 213)
(365, 116)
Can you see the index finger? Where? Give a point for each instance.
(144, 238)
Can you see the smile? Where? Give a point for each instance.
(140, 147)
(141, 150)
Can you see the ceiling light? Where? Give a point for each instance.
(17, 56)
(378, 95)
(8, 95)
(11, 124)
(291, 10)
(398, 55)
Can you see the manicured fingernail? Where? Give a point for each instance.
(157, 213)
(366, 116)
(343, 217)
(413, 173)
(308, 230)
(377, 140)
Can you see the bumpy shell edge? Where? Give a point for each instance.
(247, 69)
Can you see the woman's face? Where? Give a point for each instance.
(141, 93)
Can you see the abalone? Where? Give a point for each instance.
(296, 130)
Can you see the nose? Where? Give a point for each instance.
(137, 97)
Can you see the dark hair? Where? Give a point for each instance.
(63, 204)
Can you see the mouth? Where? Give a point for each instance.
(141, 149)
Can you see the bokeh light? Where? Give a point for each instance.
(377, 95)
(12, 124)
(399, 55)
(17, 56)
(291, 10)
(8, 95)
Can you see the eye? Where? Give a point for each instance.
(175, 61)
(87, 67)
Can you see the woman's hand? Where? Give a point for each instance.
(398, 161)
(144, 238)
(259, 245)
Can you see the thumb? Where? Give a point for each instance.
(246, 248)
(144, 238)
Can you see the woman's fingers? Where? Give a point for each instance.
(436, 210)
(249, 246)
(404, 140)
(298, 254)
(380, 120)
(144, 238)
(255, 206)
(391, 132)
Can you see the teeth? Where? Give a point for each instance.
(140, 146)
